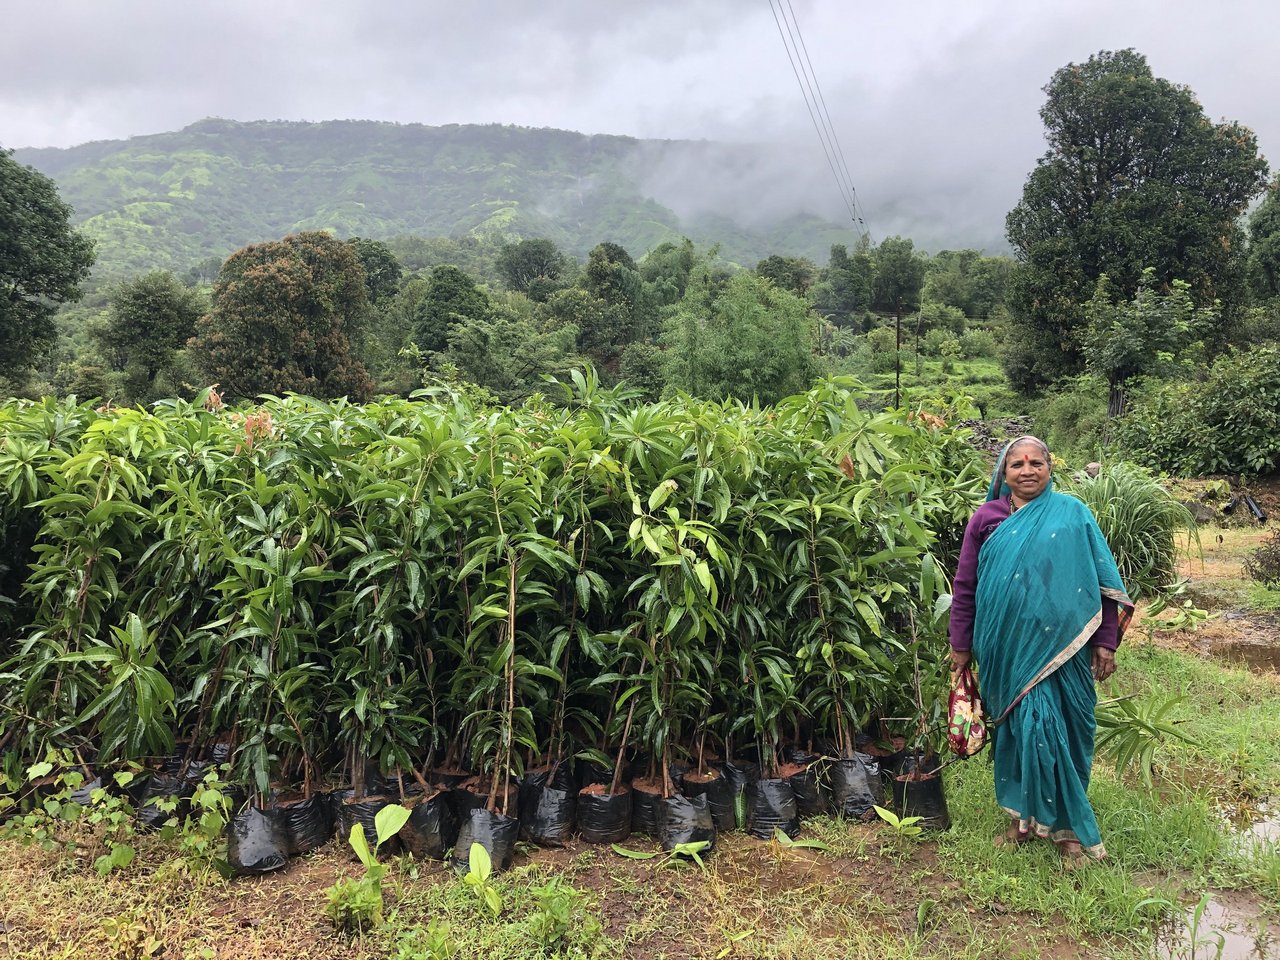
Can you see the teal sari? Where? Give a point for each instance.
(1042, 575)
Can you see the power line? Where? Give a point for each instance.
(822, 100)
(815, 103)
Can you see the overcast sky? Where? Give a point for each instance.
(934, 103)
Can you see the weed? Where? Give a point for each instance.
(434, 942)
(692, 850)
(560, 921)
(902, 827)
(477, 877)
(355, 903)
(1129, 732)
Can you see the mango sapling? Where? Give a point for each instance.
(355, 903)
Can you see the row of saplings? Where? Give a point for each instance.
(451, 810)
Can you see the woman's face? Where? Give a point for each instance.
(1026, 471)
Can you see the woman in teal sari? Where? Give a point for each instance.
(1038, 603)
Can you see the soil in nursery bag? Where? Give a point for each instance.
(590, 772)
(715, 786)
(432, 828)
(889, 753)
(646, 804)
(806, 783)
(603, 818)
(685, 820)
(364, 811)
(772, 804)
(308, 823)
(493, 831)
(447, 779)
(257, 842)
(855, 786)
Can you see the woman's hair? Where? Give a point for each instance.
(1029, 440)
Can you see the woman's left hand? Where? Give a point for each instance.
(1104, 663)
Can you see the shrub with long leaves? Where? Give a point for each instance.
(331, 588)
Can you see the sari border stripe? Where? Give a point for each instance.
(1057, 662)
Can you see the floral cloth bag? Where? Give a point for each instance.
(966, 728)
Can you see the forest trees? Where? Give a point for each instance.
(42, 262)
(284, 316)
(746, 339)
(1136, 176)
(149, 319)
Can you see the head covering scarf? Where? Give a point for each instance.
(1041, 578)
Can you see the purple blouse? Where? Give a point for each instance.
(964, 588)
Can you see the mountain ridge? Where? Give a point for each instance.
(178, 198)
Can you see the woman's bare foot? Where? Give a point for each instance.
(1013, 837)
(1073, 855)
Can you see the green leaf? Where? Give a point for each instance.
(388, 821)
(632, 854)
(480, 863)
(361, 846)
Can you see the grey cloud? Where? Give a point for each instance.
(935, 102)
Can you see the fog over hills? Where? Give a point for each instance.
(175, 199)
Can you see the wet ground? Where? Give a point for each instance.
(1224, 927)
(1255, 655)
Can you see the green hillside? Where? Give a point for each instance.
(172, 200)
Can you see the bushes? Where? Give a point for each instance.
(1227, 423)
(1140, 520)
(1073, 422)
(1263, 564)
(413, 581)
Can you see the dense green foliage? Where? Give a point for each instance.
(1228, 422)
(412, 578)
(42, 261)
(745, 339)
(172, 200)
(1141, 521)
(284, 316)
(1143, 336)
(1135, 177)
(148, 323)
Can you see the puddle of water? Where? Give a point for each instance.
(1261, 657)
(1223, 932)
(1263, 826)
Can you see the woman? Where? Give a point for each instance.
(1038, 602)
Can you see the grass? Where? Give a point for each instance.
(871, 895)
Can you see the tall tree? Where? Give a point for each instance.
(666, 269)
(284, 316)
(149, 319)
(382, 271)
(1264, 246)
(450, 298)
(899, 276)
(1140, 337)
(612, 277)
(533, 266)
(790, 273)
(1135, 176)
(42, 261)
(845, 285)
(748, 339)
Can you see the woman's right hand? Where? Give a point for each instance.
(960, 659)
